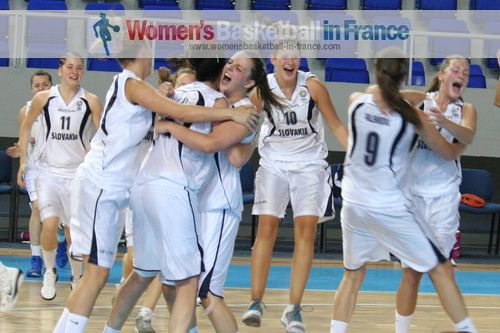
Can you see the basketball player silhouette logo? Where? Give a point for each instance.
(101, 31)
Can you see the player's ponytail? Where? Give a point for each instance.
(390, 73)
(165, 75)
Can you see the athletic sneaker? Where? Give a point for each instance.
(143, 321)
(253, 316)
(36, 267)
(62, 256)
(48, 291)
(292, 320)
(10, 282)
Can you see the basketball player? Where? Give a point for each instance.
(10, 281)
(103, 181)
(375, 216)
(292, 168)
(221, 202)
(433, 181)
(40, 81)
(497, 94)
(68, 112)
(171, 177)
(167, 83)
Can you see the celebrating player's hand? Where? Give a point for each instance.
(162, 126)
(13, 151)
(437, 117)
(247, 116)
(166, 89)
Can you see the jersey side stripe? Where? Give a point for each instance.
(353, 126)
(310, 114)
(85, 119)
(47, 116)
(109, 106)
(396, 141)
(200, 102)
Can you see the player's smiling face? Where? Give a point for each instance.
(40, 83)
(236, 75)
(454, 78)
(286, 65)
(71, 72)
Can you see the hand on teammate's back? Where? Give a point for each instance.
(247, 116)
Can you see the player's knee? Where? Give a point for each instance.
(209, 303)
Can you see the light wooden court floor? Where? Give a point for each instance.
(374, 312)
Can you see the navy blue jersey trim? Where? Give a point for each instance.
(205, 286)
(310, 114)
(397, 140)
(110, 104)
(85, 119)
(46, 115)
(93, 257)
(353, 128)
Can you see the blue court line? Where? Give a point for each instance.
(321, 278)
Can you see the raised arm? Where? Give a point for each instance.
(142, 93)
(463, 132)
(37, 103)
(321, 97)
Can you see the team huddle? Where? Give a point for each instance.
(163, 164)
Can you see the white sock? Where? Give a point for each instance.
(49, 258)
(2, 267)
(76, 267)
(466, 325)
(195, 330)
(36, 250)
(337, 326)
(76, 323)
(61, 323)
(108, 329)
(403, 323)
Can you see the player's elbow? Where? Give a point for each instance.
(497, 102)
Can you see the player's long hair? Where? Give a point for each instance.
(258, 74)
(390, 73)
(165, 75)
(435, 84)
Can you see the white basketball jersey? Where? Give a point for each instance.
(296, 132)
(170, 158)
(122, 140)
(377, 157)
(66, 130)
(431, 175)
(223, 190)
(36, 130)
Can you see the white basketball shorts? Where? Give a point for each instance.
(442, 217)
(165, 227)
(308, 186)
(370, 235)
(54, 197)
(96, 226)
(218, 230)
(30, 178)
